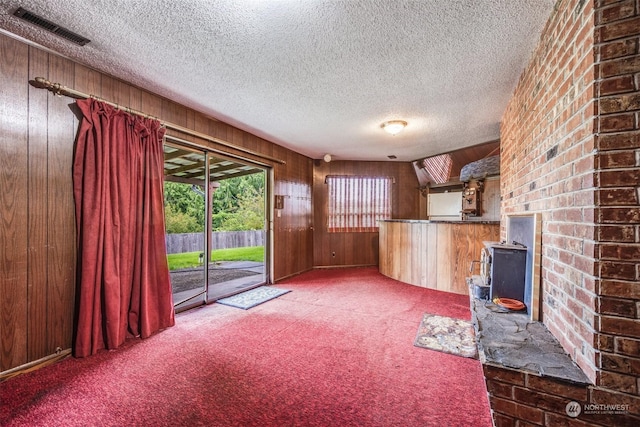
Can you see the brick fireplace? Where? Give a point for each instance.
(570, 151)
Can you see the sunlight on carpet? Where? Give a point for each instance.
(447, 335)
(253, 297)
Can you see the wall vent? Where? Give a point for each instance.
(50, 26)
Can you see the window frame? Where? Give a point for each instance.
(347, 207)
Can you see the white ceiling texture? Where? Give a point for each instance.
(316, 76)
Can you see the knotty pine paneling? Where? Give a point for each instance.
(37, 223)
(14, 106)
(358, 248)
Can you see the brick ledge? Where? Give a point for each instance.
(511, 340)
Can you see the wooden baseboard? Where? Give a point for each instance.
(322, 267)
(328, 267)
(35, 365)
(279, 279)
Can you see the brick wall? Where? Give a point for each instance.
(547, 166)
(525, 399)
(571, 150)
(617, 164)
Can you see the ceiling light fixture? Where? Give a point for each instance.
(394, 126)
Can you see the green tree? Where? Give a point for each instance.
(179, 222)
(238, 204)
(181, 199)
(249, 215)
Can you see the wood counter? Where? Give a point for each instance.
(433, 254)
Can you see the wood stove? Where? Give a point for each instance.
(512, 270)
(507, 271)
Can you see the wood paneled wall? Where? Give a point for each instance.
(37, 238)
(37, 224)
(434, 255)
(348, 249)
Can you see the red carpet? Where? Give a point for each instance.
(335, 351)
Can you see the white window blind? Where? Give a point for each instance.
(357, 203)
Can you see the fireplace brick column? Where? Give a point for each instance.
(617, 89)
(570, 149)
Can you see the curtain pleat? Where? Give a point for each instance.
(124, 286)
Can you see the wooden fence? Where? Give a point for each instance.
(192, 242)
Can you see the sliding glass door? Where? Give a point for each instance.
(185, 218)
(239, 233)
(216, 225)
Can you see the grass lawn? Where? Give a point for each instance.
(192, 259)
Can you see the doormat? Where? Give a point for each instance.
(448, 335)
(253, 297)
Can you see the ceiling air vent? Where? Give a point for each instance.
(50, 26)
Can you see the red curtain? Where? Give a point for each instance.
(124, 286)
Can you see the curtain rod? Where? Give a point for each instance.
(59, 89)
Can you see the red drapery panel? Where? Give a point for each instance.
(357, 203)
(124, 286)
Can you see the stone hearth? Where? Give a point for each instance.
(531, 380)
(511, 340)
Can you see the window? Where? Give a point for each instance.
(357, 203)
(439, 167)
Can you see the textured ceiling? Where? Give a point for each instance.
(316, 76)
